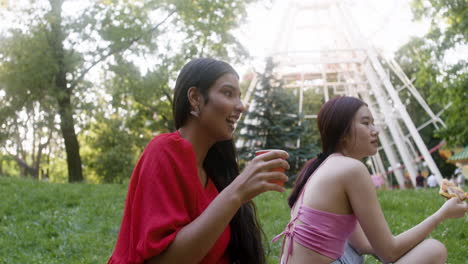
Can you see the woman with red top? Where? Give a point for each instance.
(187, 201)
(335, 214)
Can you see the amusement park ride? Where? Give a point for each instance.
(350, 66)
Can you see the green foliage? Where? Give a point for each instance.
(418, 60)
(46, 56)
(27, 110)
(58, 170)
(207, 27)
(8, 166)
(23, 75)
(274, 123)
(78, 223)
(110, 153)
(147, 99)
(445, 81)
(450, 13)
(454, 91)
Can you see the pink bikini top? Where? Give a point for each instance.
(320, 231)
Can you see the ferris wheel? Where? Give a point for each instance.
(318, 46)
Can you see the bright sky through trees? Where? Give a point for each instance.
(385, 24)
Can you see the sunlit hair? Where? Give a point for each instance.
(334, 121)
(220, 163)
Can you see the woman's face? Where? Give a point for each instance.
(362, 141)
(219, 115)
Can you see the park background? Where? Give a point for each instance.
(84, 85)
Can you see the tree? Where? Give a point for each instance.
(446, 80)
(35, 125)
(145, 98)
(48, 55)
(274, 122)
(111, 151)
(27, 125)
(418, 60)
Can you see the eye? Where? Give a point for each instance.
(228, 93)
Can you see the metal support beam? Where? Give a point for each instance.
(405, 116)
(350, 66)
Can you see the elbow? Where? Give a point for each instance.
(388, 257)
(389, 254)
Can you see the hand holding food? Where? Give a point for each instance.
(449, 190)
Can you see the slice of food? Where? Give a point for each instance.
(448, 189)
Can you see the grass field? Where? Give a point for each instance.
(78, 223)
(402, 208)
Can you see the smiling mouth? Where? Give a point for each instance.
(231, 124)
(232, 121)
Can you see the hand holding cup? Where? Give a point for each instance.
(280, 169)
(263, 173)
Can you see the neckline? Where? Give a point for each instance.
(204, 187)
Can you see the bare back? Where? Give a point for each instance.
(325, 191)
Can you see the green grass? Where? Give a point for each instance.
(402, 208)
(78, 223)
(58, 223)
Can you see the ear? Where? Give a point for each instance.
(194, 97)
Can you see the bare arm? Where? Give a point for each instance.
(359, 241)
(363, 199)
(196, 239)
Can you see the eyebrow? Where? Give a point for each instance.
(232, 87)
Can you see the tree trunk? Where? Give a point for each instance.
(25, 168)
(63, 95)
(72, 147)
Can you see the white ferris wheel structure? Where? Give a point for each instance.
(318, 47)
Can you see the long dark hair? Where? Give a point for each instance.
(220, 163)
(334, 121)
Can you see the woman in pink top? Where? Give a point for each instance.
(339, 202)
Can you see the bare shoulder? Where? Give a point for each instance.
(350, 172)
(355, 177)
(343, 165)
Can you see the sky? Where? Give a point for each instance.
(387, 25)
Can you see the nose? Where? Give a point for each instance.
(240, 106)
(375, 129)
